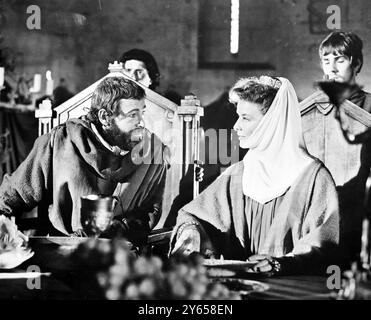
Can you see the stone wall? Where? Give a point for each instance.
(78, 39)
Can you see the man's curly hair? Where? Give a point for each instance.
(108, 94)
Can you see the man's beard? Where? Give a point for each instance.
(124, 140)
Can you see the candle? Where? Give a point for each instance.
(36, 83)
(1, 76)
(49, 83)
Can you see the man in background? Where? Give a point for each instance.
(61, 93)
(141, 66)
(342, 60)
(349, 162)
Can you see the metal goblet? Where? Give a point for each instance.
(97, 213)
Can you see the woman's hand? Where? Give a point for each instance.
(189, 241)
(264, 264)
(79, 233)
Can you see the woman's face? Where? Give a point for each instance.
(249, 116)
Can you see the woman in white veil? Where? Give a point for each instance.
(278, 207)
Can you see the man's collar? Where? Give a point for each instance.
(114, 149)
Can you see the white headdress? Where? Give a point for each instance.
(277, 154)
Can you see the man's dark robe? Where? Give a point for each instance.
(70, 162)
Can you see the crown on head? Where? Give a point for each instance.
(270, 81)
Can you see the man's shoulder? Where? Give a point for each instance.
(317, 97)
(71, 129)
(77, 124)
(73, 124)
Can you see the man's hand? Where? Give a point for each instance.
(189, 241)
(199, 170)
(264, 264)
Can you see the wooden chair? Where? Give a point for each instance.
(177, 127)
(349, 163)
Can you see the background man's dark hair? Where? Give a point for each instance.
(148, 60)
(343, 43)
(108, 94)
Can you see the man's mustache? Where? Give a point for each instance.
(138, 134)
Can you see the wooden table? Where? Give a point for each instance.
(294, 288)
(61, 284)
(284, 288)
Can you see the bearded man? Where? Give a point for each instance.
(94, 154)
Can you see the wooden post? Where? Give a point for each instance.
(115, 67)
(190, 113)
(45, 115)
